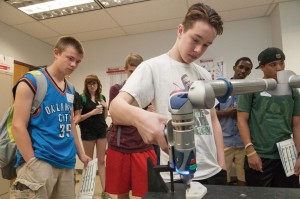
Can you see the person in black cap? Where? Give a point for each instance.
(265, 120)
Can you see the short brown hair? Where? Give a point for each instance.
(133, 60)
(202, 12)
(65, 41)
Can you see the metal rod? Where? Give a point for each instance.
(220, 87)
(294, 81)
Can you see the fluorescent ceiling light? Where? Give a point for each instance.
(52, 5)
(46, 9)
(112, 3)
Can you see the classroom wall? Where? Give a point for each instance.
(23, 47)
(290, 27)
(240, 38)
(276, 28)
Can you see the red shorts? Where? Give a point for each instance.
(127, 171)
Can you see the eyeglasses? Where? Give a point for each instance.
(92, 84)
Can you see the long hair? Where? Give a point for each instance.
(92, 78)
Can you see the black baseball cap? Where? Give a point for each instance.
(269, 55)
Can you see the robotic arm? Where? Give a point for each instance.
(202, 94)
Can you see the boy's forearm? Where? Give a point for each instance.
(23, 143)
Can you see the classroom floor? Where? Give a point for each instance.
(98, 189)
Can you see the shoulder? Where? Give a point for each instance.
(102, 97)
(202, 72)
(295, 93)
(114, 88)
(155, 61)
(30, 78)
(247, 96)
(71, 87)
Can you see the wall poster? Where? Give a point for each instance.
(216, 67)
(6, 64)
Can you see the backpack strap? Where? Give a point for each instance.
(119, 127)
(83, 99)
(71, 86)
(41, 89)
(118, 135)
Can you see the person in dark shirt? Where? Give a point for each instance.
(227, 114)
(127, 151)
(93, 125)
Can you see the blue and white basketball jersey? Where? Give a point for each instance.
(50, 126)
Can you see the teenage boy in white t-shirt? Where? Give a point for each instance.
(156, 79)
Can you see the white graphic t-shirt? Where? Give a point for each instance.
(157, 79)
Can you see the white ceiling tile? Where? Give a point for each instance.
(100, 34)
(242, 14)
(278, 1)
(223, 5)
(154, 26)
(148, 16)
(52, 40)
(88, 21)
(12, 16)
(36, 29)
(148, 11)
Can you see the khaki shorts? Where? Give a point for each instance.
(38, 179)
(236, 155)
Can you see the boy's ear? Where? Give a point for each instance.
(56, 52)
(180, 30)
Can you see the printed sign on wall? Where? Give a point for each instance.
(6, 64)
(215, 66)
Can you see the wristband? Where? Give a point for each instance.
(247, 145)
(251, 154)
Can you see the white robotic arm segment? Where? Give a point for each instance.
(202, 94)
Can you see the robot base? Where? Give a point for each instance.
(196, 191)
(157, 188)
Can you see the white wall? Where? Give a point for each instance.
(23, 47)
(290, 27)
(101, 54)
(240, 38)
(276, 28)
